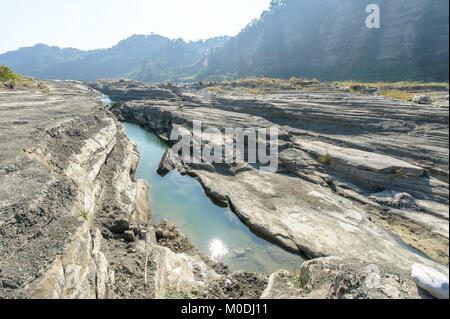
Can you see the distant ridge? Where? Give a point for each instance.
(128, 58)
(323, 39)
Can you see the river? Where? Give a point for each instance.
(216, 231)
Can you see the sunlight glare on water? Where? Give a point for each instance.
(217, 249)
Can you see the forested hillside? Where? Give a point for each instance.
(323, 39)
(149, 58)
(329, 40)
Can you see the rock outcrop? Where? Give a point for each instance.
(125, 90)
(64, 162)
(361, 177)
(337, 278)
(74, 223)
(431, 281)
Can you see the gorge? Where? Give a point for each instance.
(362, 184)
(216, 231)
(304, 155)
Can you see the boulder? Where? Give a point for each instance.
(120, 225)
(167, 163)
(162, 233)
(128, 235)
(422, 99)
(143, 233)
(106, 233)
(341, 278)
(135, 229)
(430, 280)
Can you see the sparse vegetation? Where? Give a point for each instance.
(295, 81)
(270, 83)
(254, 82)
(401, 172)
(312, 90)
(215, 89)
(381, 85)
(58, 234)
(355, 88)
(325, 159)
(8, 76)
(397, 94)
(298, 282)
(173, 294)
(84, 214)
(396, 90)
(252, 91)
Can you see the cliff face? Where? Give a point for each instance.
(328, 39)
(54, 176)
(324, 39)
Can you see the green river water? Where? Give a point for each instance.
(216, 231)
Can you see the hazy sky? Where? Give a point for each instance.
(91, 24)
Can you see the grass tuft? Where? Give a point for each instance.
(252, 91)
(381, 85)
(325, 159)
(84, 214)
(215, 89)
(8, 76)
(397, 94)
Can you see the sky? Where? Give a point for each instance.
(93, 24)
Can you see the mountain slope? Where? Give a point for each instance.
(150, 58)
(324, 39)
(328, 39)
(173, 62)
(33, 60)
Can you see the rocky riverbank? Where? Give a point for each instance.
(355, 167)
(75, 223)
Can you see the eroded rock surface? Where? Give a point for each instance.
(73, 221)
(337, 278)
(354, 169)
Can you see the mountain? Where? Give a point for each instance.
(323, 39)
(174, 61)
(33, 60)
(149, 58)
(329, 40)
